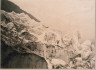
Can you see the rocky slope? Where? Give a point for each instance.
(25, 35)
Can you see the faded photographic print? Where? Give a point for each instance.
(47, 34)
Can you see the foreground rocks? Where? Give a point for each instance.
(24, 35)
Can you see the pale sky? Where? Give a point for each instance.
(64, 15)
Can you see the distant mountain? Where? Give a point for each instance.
(10, 6)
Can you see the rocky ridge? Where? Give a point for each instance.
(25, 35)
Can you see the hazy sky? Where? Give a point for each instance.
(64, 15)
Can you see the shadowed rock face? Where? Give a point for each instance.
(4, 48)
(12, 59)
(9, 7)
(25, 60)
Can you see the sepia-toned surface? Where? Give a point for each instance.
(63, 15)
(56, 39)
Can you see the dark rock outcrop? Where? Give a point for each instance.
(13, 55)
(24, 60)
(9, 6)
